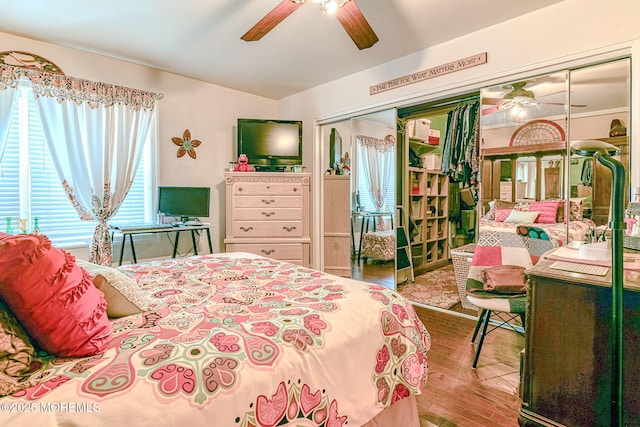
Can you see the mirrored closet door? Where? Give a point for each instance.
(359, 197)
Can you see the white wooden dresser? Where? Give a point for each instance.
(268, 215)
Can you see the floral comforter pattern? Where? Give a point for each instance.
(245, 341)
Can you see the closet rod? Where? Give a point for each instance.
(418, 110)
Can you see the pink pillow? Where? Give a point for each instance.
(52, 297)
(502, 214)
(548, 211)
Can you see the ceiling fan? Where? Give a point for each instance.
(346, 11)
(517, 97)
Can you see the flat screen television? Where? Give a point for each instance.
(184, 202)
(270, 145)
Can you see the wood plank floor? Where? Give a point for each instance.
(455, 394)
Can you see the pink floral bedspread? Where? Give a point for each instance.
(237, 340)
(577, 228)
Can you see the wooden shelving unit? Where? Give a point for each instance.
(429, 218)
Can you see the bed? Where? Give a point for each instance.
(225, 340)
(505, 216)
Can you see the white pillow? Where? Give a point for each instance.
(522, 217)
(124, 296)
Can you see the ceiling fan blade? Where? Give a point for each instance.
(490, 110)
(356, 25)
(561, 103)
(493, 101)
(270, 20)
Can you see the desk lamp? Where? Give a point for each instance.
(603, 152)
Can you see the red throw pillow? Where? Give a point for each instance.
(548, 211)
(52, 297)
(502, 214)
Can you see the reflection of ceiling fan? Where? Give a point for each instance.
(518, 97)
(347, 12)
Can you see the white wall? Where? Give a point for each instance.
(210, 113)
(570, 32)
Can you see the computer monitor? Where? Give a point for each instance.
(184, 202)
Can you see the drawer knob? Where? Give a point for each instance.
(295, 188)
(268, 214)
(268, 202)
(289, 229)
(245, 229)
(239, 188)
(267, 251)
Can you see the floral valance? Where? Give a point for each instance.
(382, 145)
(66, 88)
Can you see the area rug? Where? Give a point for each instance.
(435, 288)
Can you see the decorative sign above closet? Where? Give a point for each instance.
(429, 73)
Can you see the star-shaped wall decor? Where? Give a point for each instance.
(186, 144)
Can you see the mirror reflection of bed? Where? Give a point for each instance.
(533, 144)
(524, 158)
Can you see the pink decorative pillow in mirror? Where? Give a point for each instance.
(548, 211)
(502, 214)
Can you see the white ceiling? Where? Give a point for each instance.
(201, 38)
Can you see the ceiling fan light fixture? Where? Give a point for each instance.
(347, 13)
(327, 7)
(518, 91)
(518, 113)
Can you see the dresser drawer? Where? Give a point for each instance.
(281, 251)
(268, 214)
(264, 188)
(267, 201)
(267, 229)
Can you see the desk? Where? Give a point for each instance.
(366, 217)
(566, 372)
(151, 230)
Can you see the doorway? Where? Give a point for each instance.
(437, 188)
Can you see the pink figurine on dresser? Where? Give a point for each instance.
(243, 164)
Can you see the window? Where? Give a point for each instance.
(30, 187)
(364, 194)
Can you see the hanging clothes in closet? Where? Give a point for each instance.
(460, 149)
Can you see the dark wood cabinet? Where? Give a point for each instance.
(602, 181)
(566, 375)
(552, 183)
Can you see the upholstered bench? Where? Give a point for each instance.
(379, 245)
